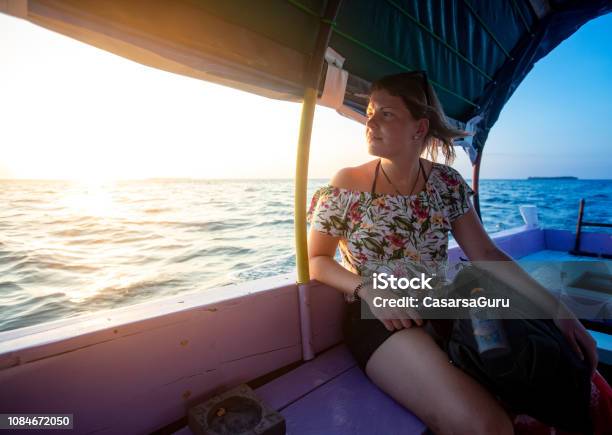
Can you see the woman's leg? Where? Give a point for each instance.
(411, 368)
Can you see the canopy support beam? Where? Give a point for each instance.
(476, 183)
(313, 75)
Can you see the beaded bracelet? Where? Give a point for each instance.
(356, 291)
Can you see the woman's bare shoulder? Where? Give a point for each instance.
(355, 177)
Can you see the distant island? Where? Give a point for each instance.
(552, 178)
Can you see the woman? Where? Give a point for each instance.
(401, 205)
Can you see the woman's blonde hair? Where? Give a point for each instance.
(415, 90)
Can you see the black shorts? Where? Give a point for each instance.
(364, 336)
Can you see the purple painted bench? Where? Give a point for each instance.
(331, 395)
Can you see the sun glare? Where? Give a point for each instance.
(72, 111)
(91, 197)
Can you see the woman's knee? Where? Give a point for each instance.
(411, 368)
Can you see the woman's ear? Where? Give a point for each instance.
(422, 127)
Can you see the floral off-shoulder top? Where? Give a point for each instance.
(377, 227)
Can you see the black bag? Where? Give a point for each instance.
(541, 376)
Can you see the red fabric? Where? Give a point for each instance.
(601, 405)
(601, 413)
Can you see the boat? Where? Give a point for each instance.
(139, 369)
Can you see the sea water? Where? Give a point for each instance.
(69, 248)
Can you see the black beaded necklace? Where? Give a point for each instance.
(415, 181)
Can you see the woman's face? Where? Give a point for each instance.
(390, 128)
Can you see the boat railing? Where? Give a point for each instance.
(581, 223)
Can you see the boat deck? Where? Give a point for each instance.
(332, 395)
(558, 271)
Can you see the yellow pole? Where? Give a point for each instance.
(311, 82)
(301, 184)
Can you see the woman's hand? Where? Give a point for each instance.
(395, 318)
(579, 338)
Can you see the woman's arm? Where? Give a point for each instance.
(323, 267)
(478, 246)
(322, 248)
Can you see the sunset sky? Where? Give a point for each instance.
(70, 110)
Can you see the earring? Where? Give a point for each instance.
(416, 136)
